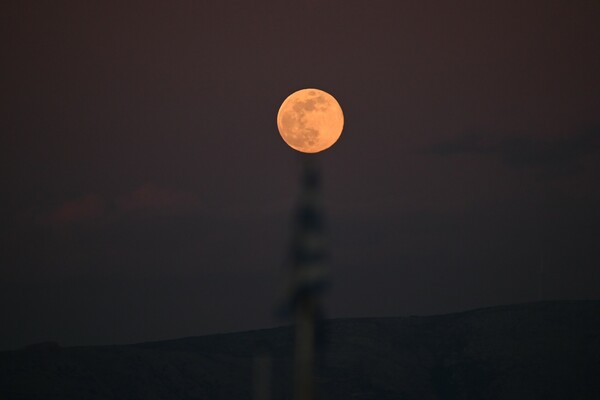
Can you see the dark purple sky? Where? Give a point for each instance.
(148, 195)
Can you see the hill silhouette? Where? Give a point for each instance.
(546, 350)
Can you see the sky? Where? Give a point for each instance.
(148, 195)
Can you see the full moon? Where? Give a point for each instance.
(310, 120)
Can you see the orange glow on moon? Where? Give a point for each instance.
(310, 120)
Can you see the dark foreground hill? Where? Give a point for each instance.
(547, 350)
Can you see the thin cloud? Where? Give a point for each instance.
(145, 200)
(153, 199)
(553, 155)
(83, 209)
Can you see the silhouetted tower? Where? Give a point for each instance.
(541, 276)
(310, 276)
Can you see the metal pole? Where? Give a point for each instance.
(262, 377)
(304, 351)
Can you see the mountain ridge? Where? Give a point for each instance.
(545, 349)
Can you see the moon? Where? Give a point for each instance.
(310, 120)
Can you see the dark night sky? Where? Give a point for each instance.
(147, 193)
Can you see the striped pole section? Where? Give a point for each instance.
(309, 277)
